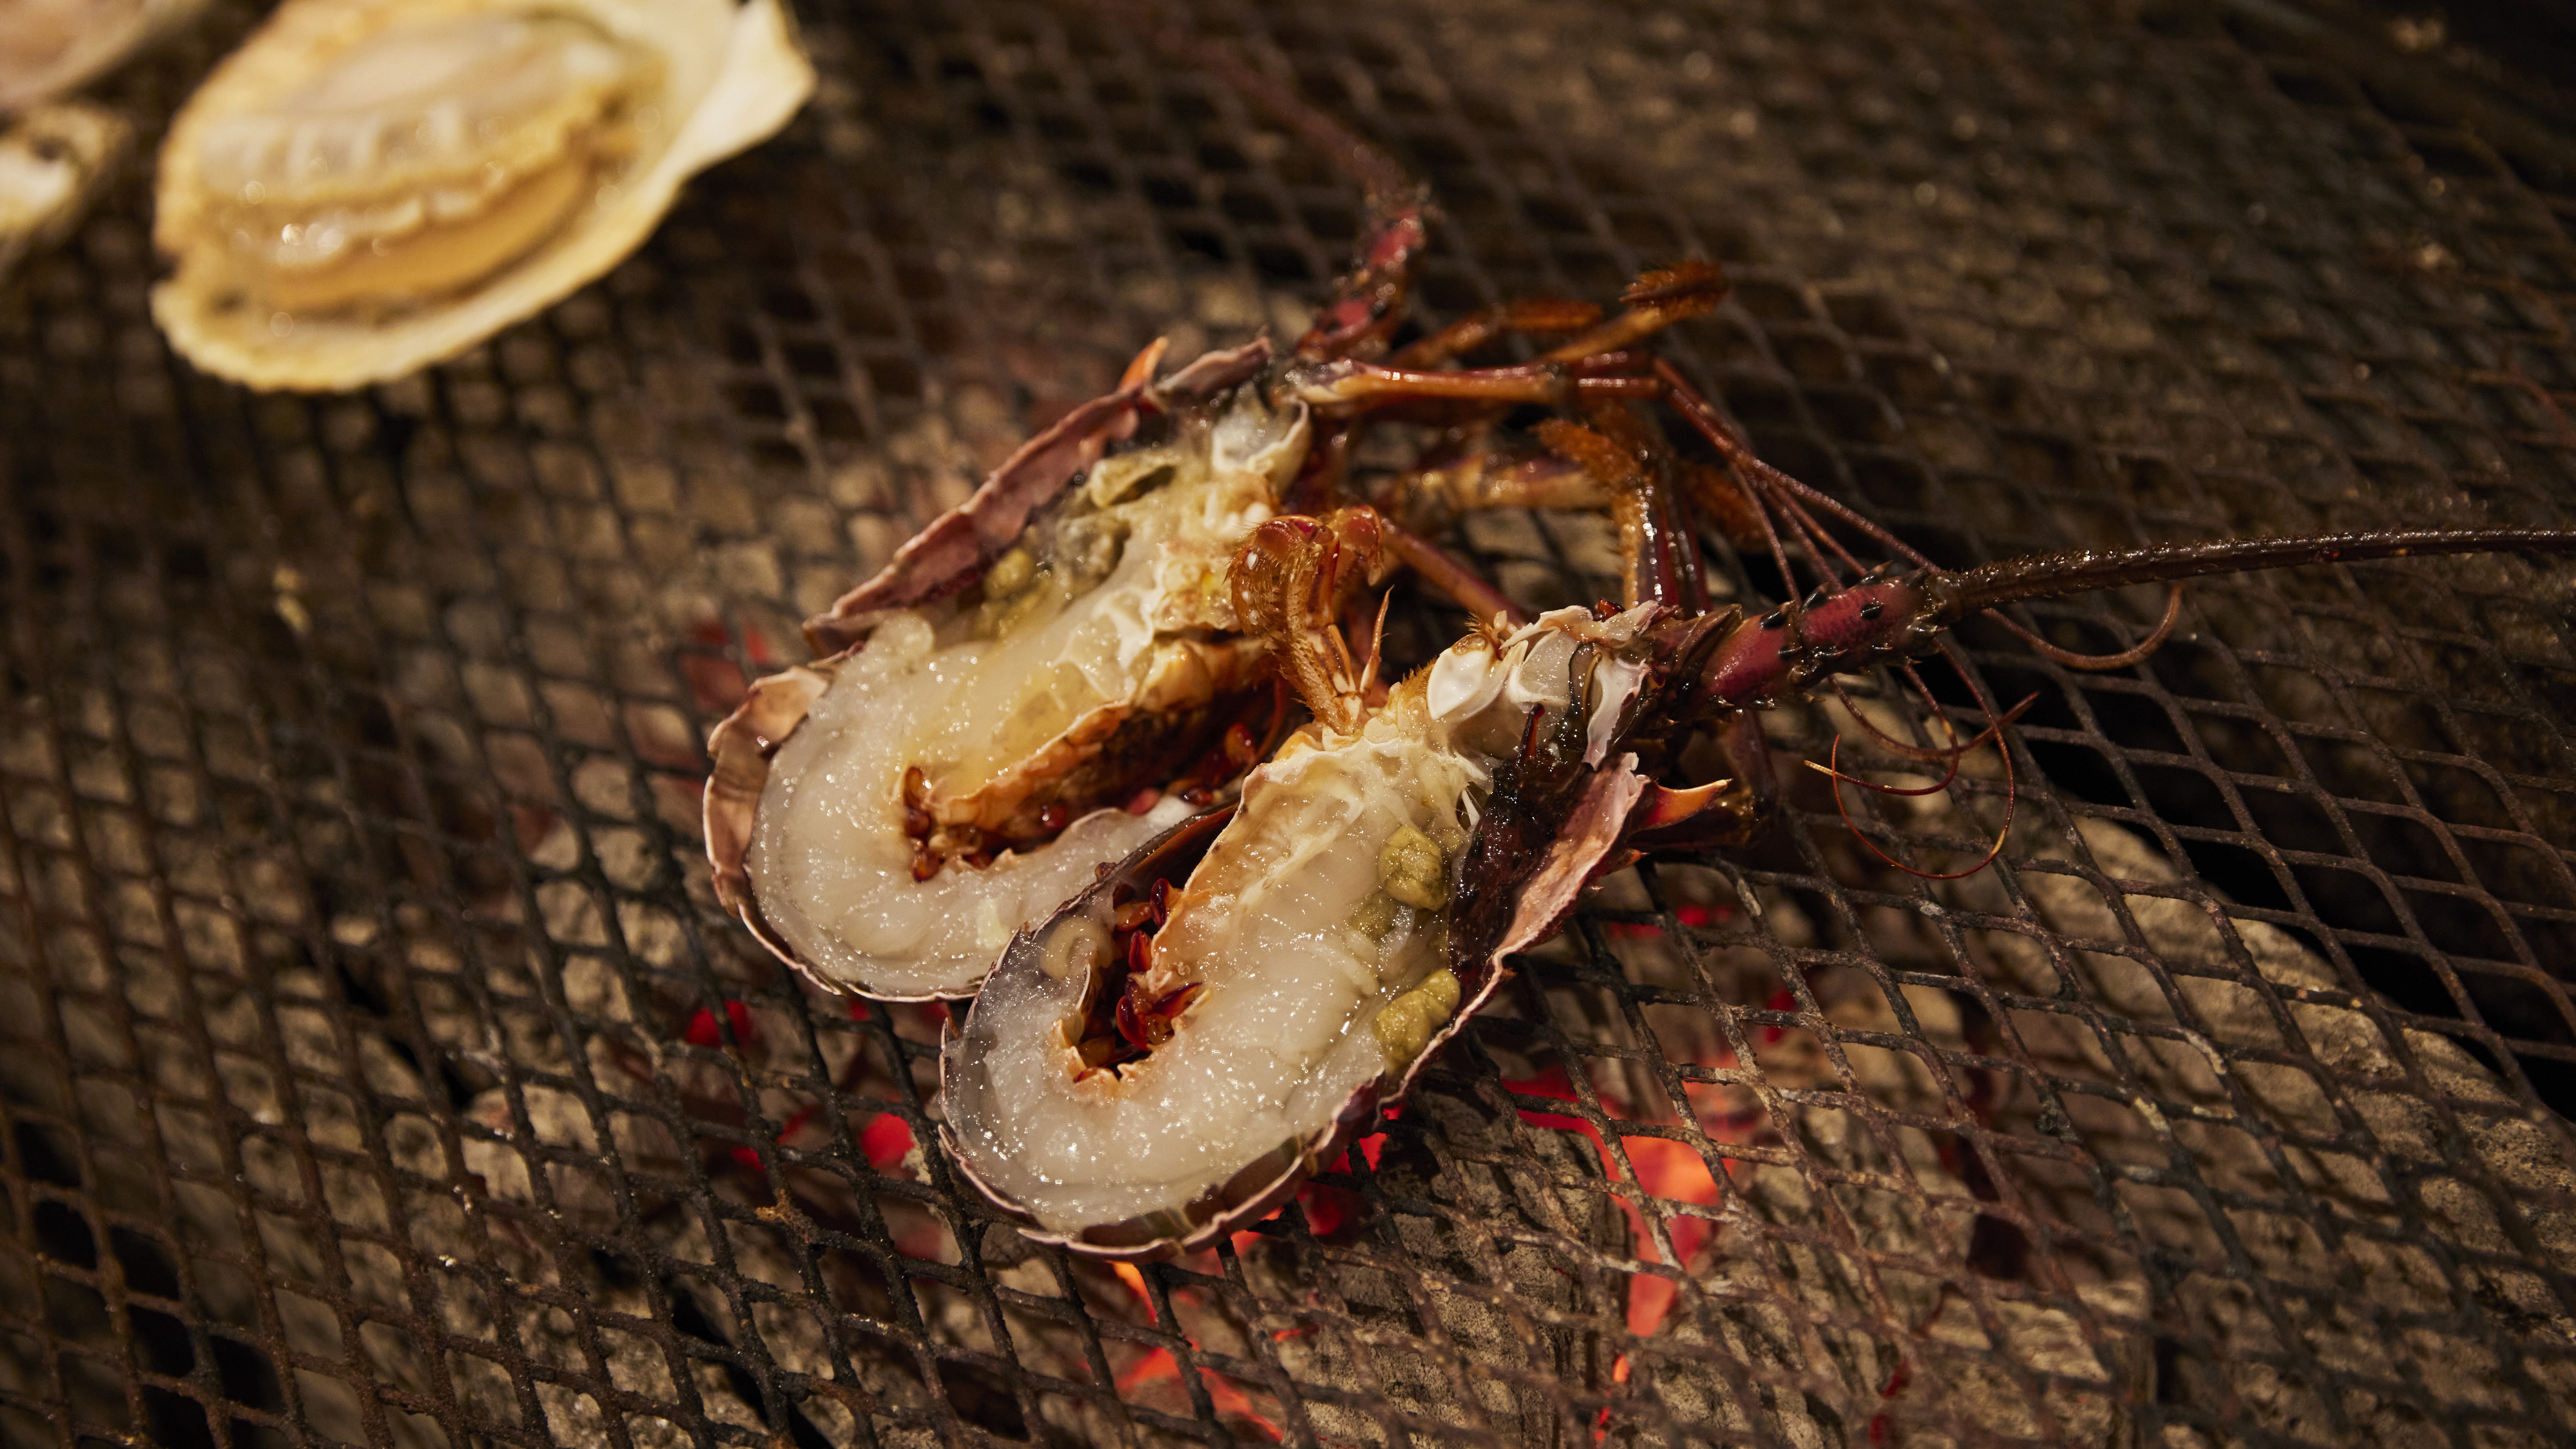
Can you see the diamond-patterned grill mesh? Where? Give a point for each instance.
(377, 1070)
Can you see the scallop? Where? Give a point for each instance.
(51, 47)
(52, 160)
(367, 187)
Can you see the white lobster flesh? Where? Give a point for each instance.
(1314, 985)
(830, 858)
(922, 795)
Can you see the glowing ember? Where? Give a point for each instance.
(1671, 1170)
(1134, 1278)
(702, 1027)
(887, 1141)
(1229, 1401)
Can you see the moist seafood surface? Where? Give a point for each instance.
(421, 158)
(1309, 952)
(941, 791)
(833, 865)
(51, 47)
(368, 186)
(52, 160)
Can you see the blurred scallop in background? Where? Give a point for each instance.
(366, 187)
(55, 153)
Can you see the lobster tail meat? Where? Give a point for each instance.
(1328, 936)
(1058, 647)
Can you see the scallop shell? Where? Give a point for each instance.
(520, 150)
(51, 47)
(52, 161)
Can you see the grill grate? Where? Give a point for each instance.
(377, 1069)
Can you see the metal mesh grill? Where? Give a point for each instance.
(377, 1069)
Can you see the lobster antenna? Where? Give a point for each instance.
(2049, 576)
(2135, 654)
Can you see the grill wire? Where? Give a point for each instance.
(378, 1070)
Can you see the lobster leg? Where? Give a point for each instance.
(1597, 362)
(1433, 498)
(1368, 303)
(1668, 525)
(1345, 387)
(1748, 758)
(1655, 301)
(1536, 314)
(1289, 582)
(1658, 561)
